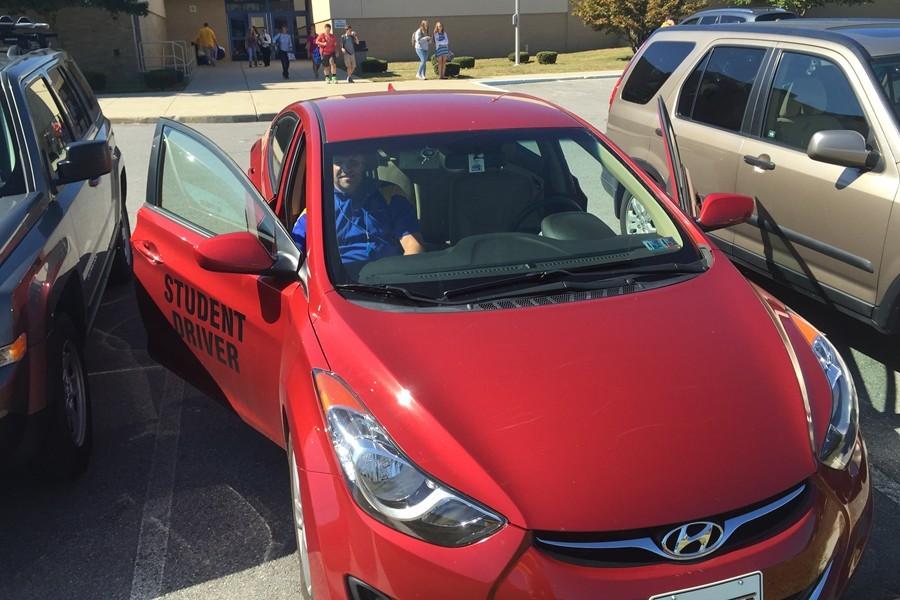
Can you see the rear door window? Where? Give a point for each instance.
(691, 22)
(652, 70)
(731, 19)
(79, 118)
(810, 94)
(84, 88)
(708, 20)
(717, 91)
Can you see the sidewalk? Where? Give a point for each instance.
(233, 92)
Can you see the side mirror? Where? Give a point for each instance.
(724, 210)
(842, 147)
(84, 160)
(239, 252)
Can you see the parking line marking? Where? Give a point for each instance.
(884, 484)
(153, 541)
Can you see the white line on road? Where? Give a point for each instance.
(153, 541)
(884, 484)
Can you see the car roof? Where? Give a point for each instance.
(28, 61)
(400, 113)
(877, 37)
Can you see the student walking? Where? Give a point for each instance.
(348, 47)
(327, 44)
(206, 40)
(420, 41)
(441, 48)
(312, 50)
(284, 45)
(265, 47)
(252, 45)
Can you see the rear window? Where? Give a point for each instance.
(776, 16)
(652, 70)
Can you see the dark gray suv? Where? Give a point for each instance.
(64, 233)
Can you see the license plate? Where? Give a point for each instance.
(745, 587)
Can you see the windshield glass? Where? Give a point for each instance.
(439, 212)
(12, 175)
(887, 74)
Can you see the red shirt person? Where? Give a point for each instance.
(327, 44)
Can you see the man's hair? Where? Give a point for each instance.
(206, 24)
(327, 26)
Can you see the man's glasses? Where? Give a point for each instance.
(348, 163)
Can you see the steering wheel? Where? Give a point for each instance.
(559, 201)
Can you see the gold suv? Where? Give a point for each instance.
(803, 116)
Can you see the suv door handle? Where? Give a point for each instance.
(760, 162)
(149, 251)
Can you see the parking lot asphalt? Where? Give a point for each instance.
(183, 500)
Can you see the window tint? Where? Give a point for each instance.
(708, 20)
(810, 94)
(653, 69)
(731, 19)
(53, 135)
(691, 22)
(776, 17)
(84, 88)
(279, 142)
(721, 97)
(78, 116)
(207, 192)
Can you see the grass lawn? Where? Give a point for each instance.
(592, 60)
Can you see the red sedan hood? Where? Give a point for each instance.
(651, 408)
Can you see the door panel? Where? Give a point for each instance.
(823, 221)
(233, 324)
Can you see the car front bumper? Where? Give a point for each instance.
(812, 558)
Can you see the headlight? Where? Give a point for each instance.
(843, 428)
(14, 352)
(387, 485)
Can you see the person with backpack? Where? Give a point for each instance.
(312, 50)
(348, 47)
(420, 42)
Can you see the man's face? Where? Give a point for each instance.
(348, 172)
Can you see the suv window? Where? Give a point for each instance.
(653, 69)
(78, 116)
(708, 20)
(887, 73)
(691, 22)
(12, 172)
(725, 78)
(810, 94)
(731, 19)
(53, 135)
(84, 88)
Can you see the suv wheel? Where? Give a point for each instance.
(67, 445)
(123, 263)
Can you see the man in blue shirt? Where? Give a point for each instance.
(369, 225)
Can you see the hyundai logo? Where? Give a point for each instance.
(693, 540)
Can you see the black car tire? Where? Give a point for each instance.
(123, 262)
(69, 435)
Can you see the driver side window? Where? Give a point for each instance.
(202, 189)
(53, 135)
(280, 137)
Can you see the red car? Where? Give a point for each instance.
(487, 387)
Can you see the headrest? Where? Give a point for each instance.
(807, 96)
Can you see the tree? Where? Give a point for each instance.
(801, 6)
(635, 19)
(50, 7)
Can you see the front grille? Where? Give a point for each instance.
(644, 546)
(526, 301)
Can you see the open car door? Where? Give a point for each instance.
(678, 186)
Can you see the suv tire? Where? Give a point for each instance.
(69, 435)
(123, 262)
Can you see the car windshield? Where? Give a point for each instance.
(435, 214)
(12, 175)
(887, 74)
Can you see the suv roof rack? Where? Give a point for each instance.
(24, 34)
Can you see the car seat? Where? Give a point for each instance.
(802, 113)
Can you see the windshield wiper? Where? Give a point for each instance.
(596, 275)
(387, 291)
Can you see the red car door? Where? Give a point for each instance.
(233, 325)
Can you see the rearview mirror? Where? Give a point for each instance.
(84, 160)
(724, 210)
(239, 252)
(842, 147)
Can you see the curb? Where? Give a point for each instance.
(548, 78)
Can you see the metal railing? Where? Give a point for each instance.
(170, 54)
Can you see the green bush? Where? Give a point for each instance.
(161, 79)
(523, 57)
(546, 57)
(464, 62)
(451, 69)
(96, 80)
(373, 65)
